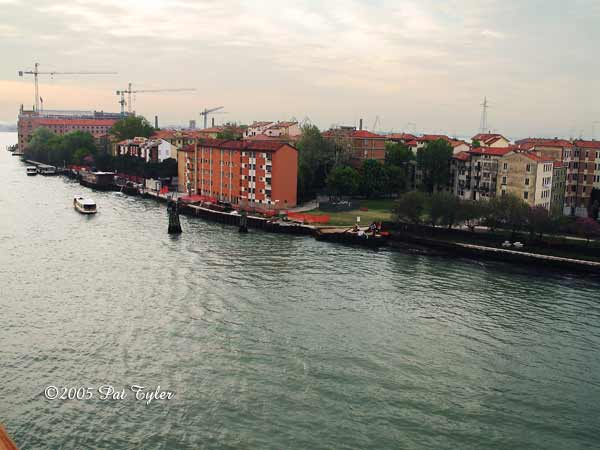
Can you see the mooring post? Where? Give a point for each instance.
(243, 222)
(174, 223)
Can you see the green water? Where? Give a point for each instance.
(277, 342)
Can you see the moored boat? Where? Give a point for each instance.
(84, 205)
(31, 170)
(44, 169)
(355, 236)
(98, 180)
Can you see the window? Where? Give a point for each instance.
(525, 195)
(526, 181)
(505, 166)
(503, 180)
(528, 167)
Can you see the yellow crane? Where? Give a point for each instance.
(35, 72)
(130, 91)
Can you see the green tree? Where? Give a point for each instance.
(443, 209)
(315, 160)
(343, 181)
(472, 212)
(433, 161)
(397, 154)
(396, 179)
(410, 207)
(130, 127)
(539, 221)
(373, 178)
(476, 144)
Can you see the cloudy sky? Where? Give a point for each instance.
(423, 65)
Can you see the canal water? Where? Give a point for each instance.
(276, 342)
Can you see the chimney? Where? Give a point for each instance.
(155, 121)
(213, 122)
(360, 125)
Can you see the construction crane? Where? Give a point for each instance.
(35, 72)
(206, 112)
(130, 91)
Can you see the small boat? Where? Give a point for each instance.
(44, 169)
(358, 236)
(84, 205)
(31, 170)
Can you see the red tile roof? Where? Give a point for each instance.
(366, 135)
(262, 146)
(462, 156)
(530, 142)
(402, 136)
(587, 144)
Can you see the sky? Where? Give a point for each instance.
(421, 66)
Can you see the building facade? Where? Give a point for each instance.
(97, 123)
(250, 174)
(528, 176)
(559, 187)
(273, 129)
(150, 150)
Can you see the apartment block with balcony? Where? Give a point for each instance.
(528, 176)
(250, 174)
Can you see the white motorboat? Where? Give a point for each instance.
(84, 205)
(31, 170)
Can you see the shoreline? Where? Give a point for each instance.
(397, 240)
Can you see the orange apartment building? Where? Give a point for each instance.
(254, 174)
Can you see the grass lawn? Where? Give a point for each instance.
(378, 210)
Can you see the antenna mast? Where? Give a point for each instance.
(484, 125)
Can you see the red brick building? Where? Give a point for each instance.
(257, 174)
(361, 144)
(96, 123)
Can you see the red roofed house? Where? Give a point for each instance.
(491, 140)
(250, 174)
(96, 123)
(361, 144)
(474, 174)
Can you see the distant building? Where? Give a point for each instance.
(273, 129)
(250, 174)
(150, 150)
(360, 144)
(528, 176)
(491, 140)
(97, 123)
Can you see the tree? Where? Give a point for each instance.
(315, 160)
(587, 227)
(471, 212)
(443, 209)
(475, 143)
(397, 154)
(373, 178)
(343, 181)
(410, 207)
(539, 221)
(130, 127)
(434, 163)
(396, 179)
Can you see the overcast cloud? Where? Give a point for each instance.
(428, 63)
